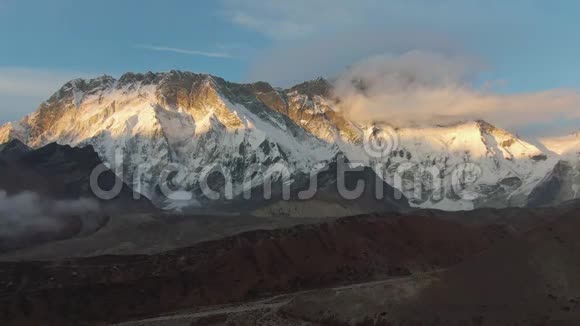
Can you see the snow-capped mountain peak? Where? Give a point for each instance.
(566, 145)
(147, 122)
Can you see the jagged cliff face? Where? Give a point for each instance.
(464, 166)
(568, 146)
(145, 123)
(562, 182)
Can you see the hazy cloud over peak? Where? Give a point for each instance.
(23, 89)
(424, 87)
(450, 59)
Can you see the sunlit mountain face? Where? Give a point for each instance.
(241, 162)
(145, 124)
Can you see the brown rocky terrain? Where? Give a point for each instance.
(529, 278)
(532, 279)
(237, 268)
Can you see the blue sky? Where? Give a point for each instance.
(524, 46)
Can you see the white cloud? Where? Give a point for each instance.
(32, 82)
(311, 38)
(284, 29)
(424, 87)
(221, 54)
(293, 62)
(289, 20)
(23, 89)
(26, 211)
(283, 20)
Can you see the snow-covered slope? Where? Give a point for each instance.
(568, 146)
(562, 183)
(480, 165)
(153, 125)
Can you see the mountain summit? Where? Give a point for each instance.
(170, 130)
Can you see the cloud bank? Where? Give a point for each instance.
(186, 51)
(27, 211)
(425, 87)
(417, 58)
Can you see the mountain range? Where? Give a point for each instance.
(164, 134)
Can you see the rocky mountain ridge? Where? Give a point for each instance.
(46, 194)
(167, 132)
